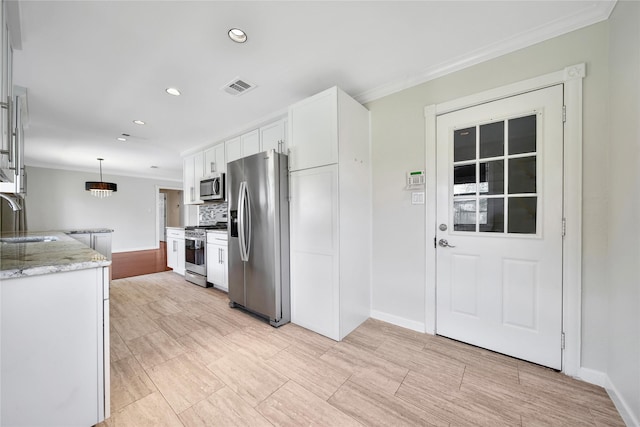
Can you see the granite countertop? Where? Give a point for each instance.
(61, 253)
(88, 230)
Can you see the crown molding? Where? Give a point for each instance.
(599, 11)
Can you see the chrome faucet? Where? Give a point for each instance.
(14, 200)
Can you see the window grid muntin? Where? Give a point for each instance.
(505, 195)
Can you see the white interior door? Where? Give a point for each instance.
(499, 216)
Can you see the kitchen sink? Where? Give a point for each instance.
(28, 239)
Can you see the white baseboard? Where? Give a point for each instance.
(592, 376)
(145, 248)
(398, 321)
(621, 405)
(601, 379)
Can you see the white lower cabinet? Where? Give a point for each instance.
(55, 349)
(175, 249)
(99, 241)
(330, 244)
(217, 267)
(315, 250)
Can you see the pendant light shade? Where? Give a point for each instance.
(100, 189)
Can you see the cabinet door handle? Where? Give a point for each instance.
(213, 166)
(11, 140)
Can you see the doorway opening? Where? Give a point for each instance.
(169, 211)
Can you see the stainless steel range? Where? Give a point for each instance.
(195, 255)
(195, 245)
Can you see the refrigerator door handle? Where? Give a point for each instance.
(247, 245)
(241, 212)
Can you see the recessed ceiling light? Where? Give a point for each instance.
(121, 139)
(237, 35)
(173, 91)
(138, 122)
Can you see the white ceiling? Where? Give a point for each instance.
(92, 67)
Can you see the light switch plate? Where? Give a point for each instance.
(417, 198)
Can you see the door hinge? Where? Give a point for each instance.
(564, 227)
(564, 113)
(562, 340)
(434, 242)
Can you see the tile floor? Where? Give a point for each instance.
(181, 357)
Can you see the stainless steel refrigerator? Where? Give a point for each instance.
(257, 193)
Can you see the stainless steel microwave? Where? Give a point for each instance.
(212, 187)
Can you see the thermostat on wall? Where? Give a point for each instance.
(415, 179)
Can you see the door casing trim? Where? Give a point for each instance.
(571, 77)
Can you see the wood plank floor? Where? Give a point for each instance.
(181, 357)
(137, 263)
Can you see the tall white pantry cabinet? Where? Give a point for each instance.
(330, 213)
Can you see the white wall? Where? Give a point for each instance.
(624, 207)
(398, 141)
(57, 200)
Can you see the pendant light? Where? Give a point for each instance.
(100, 189)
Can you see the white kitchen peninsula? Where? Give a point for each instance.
(54, 331)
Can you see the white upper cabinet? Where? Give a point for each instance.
(243, 146)
(313, 131)
(12, 111)
(215, 160)
(250, 143)
(193, 171)
(234, 149)
(274, 137)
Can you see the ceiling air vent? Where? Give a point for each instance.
(237, 87)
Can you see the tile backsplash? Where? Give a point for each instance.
(212, 212)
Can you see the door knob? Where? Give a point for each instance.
(445, 244)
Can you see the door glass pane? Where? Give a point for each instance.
(522, 175)
(464, 180)
(464, 144)
(492, 140)
(492, 177)
(522, 214)
(522, 135)
(464, 215)
(492, 215)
